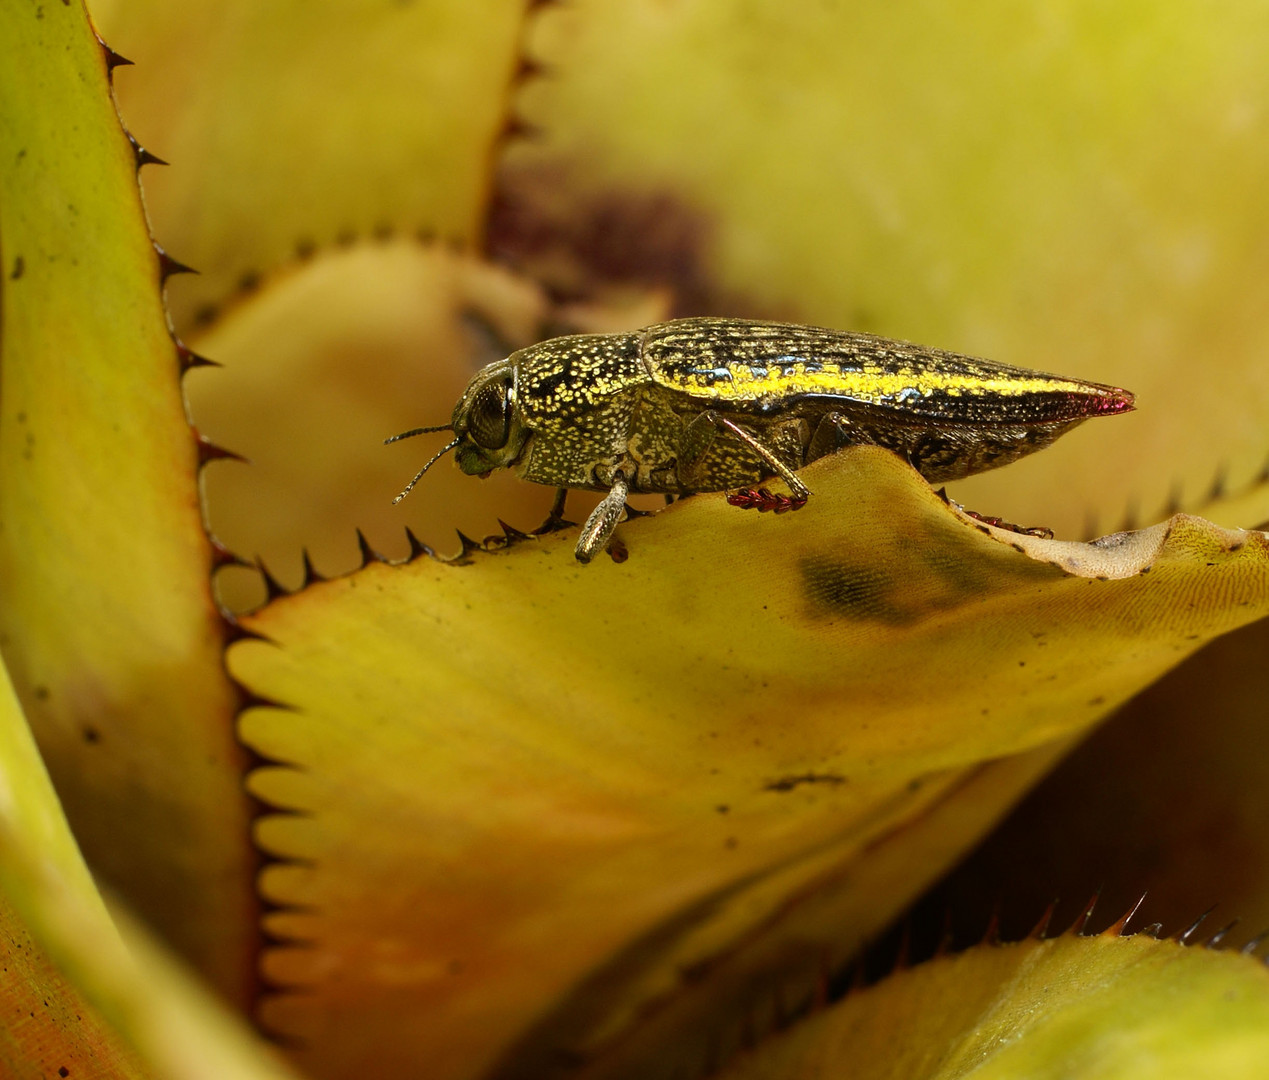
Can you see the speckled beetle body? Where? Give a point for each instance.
(709, 404)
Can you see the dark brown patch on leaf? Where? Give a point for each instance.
(788, 783)
(902, 589)
(861, 592)
(578, 243)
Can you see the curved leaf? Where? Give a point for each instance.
(77, 1001)
(294, 126)
(108, 625)
(55, 1027)
(1097, 1008)
(358, 344)
(521, 784)
(1170, 795)
(1058, 186)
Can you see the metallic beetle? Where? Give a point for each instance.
(711, 404)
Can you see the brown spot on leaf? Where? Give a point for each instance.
(580, 243)
(861, 592)
(788, 783)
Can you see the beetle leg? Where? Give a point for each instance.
(555, 519)
(800, 491)
(698, 437)
(603, 519)
(832, 433)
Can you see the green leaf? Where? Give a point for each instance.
(1170, 795)
(76, 1000)
(107, 623)
(1098, 1008)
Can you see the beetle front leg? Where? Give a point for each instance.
(603, 520)
(555, 520)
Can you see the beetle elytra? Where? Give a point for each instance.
(712, 404)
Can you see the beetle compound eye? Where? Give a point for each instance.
(490, 421)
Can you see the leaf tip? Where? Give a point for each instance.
(512, 534)
(1215, 941)
(141, 155)
(418, 549)
(112, 58)
(1183, 937)
(1041, 928)
(310, 574)
(169, 266)
(210, 451)
(368, 554)
(1116, 929)
(273, 588)
(189, 359)
(1080, 925)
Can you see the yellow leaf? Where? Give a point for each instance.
(77, 1001)
(359, 344)
(1170, 795)
(1097, 1008)
(1066, 187)
(523, 786)
(292, 126)
(107, 622)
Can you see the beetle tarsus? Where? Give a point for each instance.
(765, 501)
(555, 519)
(1040, 531)
(603, 520)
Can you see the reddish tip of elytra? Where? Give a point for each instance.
(1111, 400)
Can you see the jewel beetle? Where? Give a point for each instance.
(715, 404)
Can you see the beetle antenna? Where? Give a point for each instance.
(418, 431)
(435, 458)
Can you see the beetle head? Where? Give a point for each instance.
(489, 432)
(487, 425)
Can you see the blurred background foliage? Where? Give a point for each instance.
(380, 198)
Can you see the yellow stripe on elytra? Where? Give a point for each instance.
(871, 384)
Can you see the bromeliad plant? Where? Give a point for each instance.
(491, 814)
